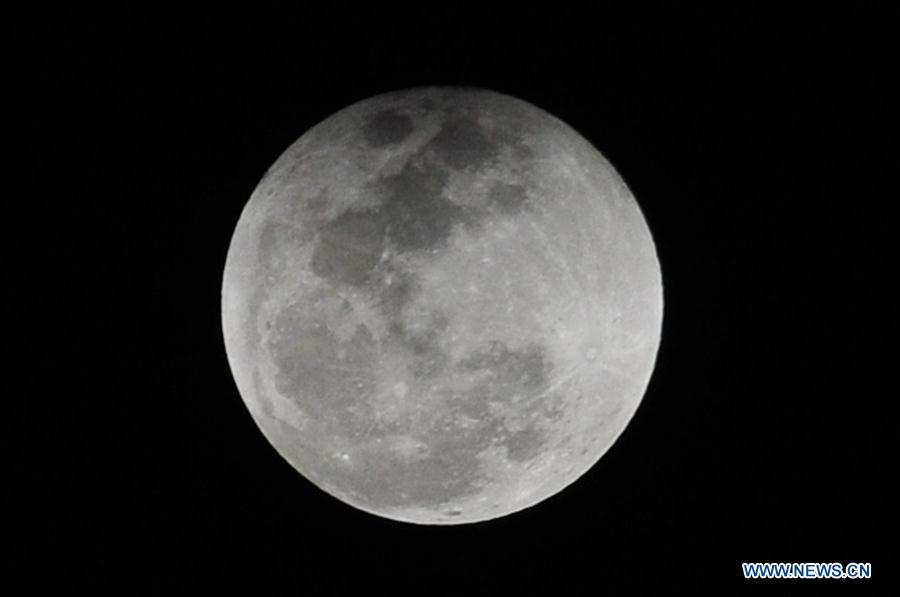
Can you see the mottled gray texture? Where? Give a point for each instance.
(441, 305)
(387, 128)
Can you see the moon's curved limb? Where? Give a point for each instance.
(441, 305)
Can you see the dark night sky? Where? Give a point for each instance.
(753, 140)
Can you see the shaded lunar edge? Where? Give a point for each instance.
(434, 437)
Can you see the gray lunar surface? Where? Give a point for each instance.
(441, 305)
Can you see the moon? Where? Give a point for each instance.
(441, 305)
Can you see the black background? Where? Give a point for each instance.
(754, 141)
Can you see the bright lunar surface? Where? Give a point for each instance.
(442, 305)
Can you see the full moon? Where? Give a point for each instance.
(441, 305)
